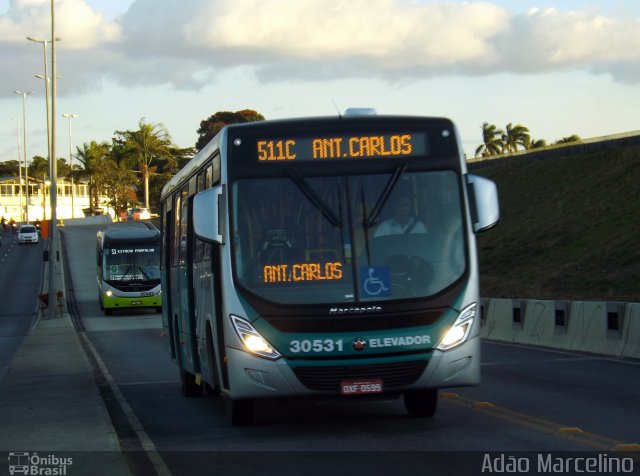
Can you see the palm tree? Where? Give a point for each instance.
(569, 139)
(515, 136)
(146, 146)
(537, 143)
(491, 140)
(93, 158)
(119, 179)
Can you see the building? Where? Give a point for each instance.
(13, 200)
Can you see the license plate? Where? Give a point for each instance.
(133, 303)
(361, 387)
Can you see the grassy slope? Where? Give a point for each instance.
(569, 229)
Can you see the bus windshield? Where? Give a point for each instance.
(357, 238)
(126, 263)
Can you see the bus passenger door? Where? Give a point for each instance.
(165, 276)
(181, 294)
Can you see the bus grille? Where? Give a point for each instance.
(369, 322)
(329, 378)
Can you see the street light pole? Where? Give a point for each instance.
(53, 195)
(73, 193)
(45, 184)
(24, 150)
(19, 167)
(46, 92)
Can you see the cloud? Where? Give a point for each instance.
(549, 39)
(185, 43)
(78, 25)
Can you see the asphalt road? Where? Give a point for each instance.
(530, 400)
(21, 270)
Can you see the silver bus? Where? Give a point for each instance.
(325, 257)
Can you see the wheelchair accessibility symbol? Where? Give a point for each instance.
(375, 281)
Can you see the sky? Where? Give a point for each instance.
(557, 67)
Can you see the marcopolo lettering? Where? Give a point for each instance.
(354, 310)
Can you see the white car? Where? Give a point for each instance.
(27, 234)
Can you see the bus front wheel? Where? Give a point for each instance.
(239, 412)
(188, 384)
(421, 403)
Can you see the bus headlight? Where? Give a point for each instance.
(460, 329)
(252, 340)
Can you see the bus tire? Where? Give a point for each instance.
(239, 412)
(421, 403)
(108, 312)
(188, 384)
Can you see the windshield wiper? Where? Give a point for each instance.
(314, 198)
(384, 196)
(126, 272)
(144, 273)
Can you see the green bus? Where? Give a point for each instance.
(128, 267)
(285, 276)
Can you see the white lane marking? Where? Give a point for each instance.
(147, 445)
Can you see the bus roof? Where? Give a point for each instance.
(121, 233)
(210, 149)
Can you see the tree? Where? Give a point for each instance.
(491, 140)
(93, 157)
(63, 168)
(9, 168)
(569, 139)
(118, 178)
(537, 143)
(211, 126)
(145, 147)
(39, 167)
(515, 136)
(165, 169)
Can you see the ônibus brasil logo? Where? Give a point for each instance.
(24, 462)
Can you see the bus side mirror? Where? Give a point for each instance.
(208, 215)
(485, 210)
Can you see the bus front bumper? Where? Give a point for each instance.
(252, 377)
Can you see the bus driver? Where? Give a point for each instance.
(402, 221)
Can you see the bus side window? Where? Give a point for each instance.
(209, 177)
(198, 245)
(163, 226)
(208, 251)
(184, 218)
(175, 241)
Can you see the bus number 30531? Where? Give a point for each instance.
(315, 345)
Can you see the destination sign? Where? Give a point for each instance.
(341, 147)
(118, 251)
(302, 272)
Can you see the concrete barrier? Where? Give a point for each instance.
(601, 328)
(632, 343)
(540, 327)
(589, 329)
(92, 220)
(498, 323)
